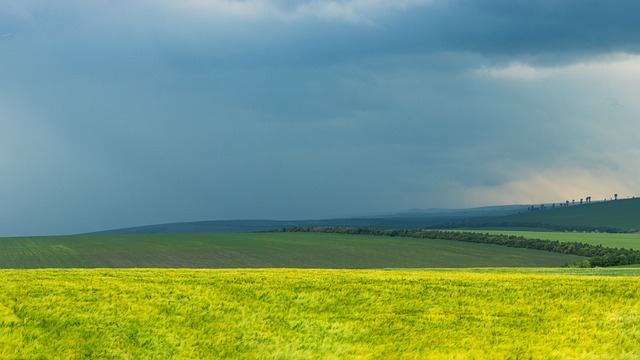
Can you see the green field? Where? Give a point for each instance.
(627, 241)
(262, 250)
(291, 309)
(620, 214)
(319, 314)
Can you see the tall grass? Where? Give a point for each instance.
(312, 314)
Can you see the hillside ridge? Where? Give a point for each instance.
(621, 215)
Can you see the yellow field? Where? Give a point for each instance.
(302, 314)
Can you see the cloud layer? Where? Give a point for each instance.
(123, 113)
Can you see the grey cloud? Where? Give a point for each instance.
(543, 31)
(151, 117)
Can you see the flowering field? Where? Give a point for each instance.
(298, 314)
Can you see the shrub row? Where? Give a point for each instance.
(596, 255)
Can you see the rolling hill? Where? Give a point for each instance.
(411, 219)
(239, 243)
(608, 216)
(263, 250)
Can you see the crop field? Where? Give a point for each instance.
(262, 250)
(619, 214)
(305, 314)
(627, 241)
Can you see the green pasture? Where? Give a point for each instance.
(621, 214)
(319, 314)
(627, 241)
(263, 250)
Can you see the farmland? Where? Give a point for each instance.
(263, 250)
(619, 215)
(628, 241)
(298, 314)
(306, 295)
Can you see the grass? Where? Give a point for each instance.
(262, 250)
(619, 214)
(313, 314)
(627, 241)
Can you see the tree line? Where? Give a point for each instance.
(596, 255)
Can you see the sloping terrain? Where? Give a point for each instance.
(627, 241)
(609, 216)
(263, 250)
(413, 219)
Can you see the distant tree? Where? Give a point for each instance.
(615, 196)
(566, 203)
(573, 202)
(553, 206)
(581, 201)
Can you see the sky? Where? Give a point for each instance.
(118, 113)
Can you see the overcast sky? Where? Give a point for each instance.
(117, 113)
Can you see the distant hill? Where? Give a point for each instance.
(484, 211)
(609, 216)
(411, 219)
(232, 226)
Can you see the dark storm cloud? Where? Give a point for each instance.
(504, 27)
(547, 31)
(122, 113)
